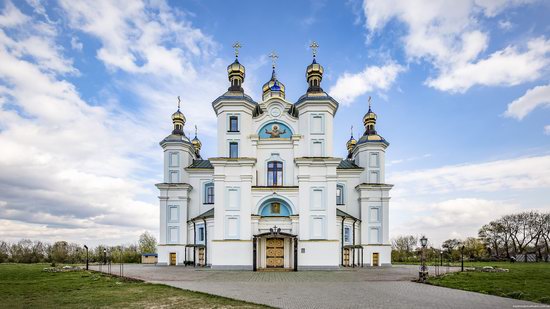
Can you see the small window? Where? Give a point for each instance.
(274, 173)
(347, 232)
(339, 194)
(200, 234)
(209, 193)
(233, 124)
(233, 150)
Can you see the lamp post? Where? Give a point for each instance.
(462, 258)
(86, 247)
(423, 273)
(104, 256)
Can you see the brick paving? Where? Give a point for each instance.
(349, 288)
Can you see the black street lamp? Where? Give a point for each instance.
(462, 258)
(86, 247)
(104, 256)
(423, 271)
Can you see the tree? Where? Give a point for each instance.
(59, 252)
(147, 243)
(403, 247)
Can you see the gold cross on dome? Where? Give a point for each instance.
(236, 46)
(314, 47)
(179, 101)
(274, 58)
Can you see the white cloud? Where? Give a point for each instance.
(505, 24)
(519, 173)
(448, 34)
(533, 98)
(349, 86)
(76, 44)
(73, 170)
(505, 67)
(547, 130)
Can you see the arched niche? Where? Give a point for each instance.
(275, 129)
(275, 208)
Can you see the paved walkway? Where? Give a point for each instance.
(358, 288)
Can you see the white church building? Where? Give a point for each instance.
(274, 196)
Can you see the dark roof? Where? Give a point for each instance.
(348, 164)
(201, 164)
(341, 213)
(204, 215)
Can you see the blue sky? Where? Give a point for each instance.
(461, 89)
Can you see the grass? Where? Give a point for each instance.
(526, 281)
(27, 286)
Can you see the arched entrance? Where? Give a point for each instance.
(274, 245)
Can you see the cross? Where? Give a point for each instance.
(369, 102)
(314, 47)
(352, 131)
(236, 46)
(179, 102)
(195, 130)
(274, 58)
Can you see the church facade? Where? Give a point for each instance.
(274, 196)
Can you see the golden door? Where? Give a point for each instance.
(173, 258)
(346, 257)
(201, 256)
(275, 253)
(375, 259)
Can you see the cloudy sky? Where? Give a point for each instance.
(461, 88)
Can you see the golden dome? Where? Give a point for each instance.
(196, 144)
(351, 143)
(178, 116)
(236, 68)
(370, 117)
(273, 85)
(314, 68)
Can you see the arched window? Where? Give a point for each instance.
(339, 194)
(274, 173)
(209, 193)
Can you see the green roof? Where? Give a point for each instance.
(201, 164)
(348, 164)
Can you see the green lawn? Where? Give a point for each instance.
(27, 286)
(527, 281)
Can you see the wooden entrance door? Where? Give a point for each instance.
(346, 257)
(375, 259)
(172, 258)
(201, 256)
(275, 253)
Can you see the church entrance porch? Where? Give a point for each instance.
(275, 250)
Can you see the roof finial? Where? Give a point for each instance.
(196, 131)
(179, 101)
(274, 58)
(351, 131)
(369, 102)
(236, 46)
(314, 47)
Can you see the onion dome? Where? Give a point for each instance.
(236, 74)
(273, 87)
(178, 119)
(369, 121)
(235, 71)
(351, 143)
(314, 75)
(314, 71)
(196, 143)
